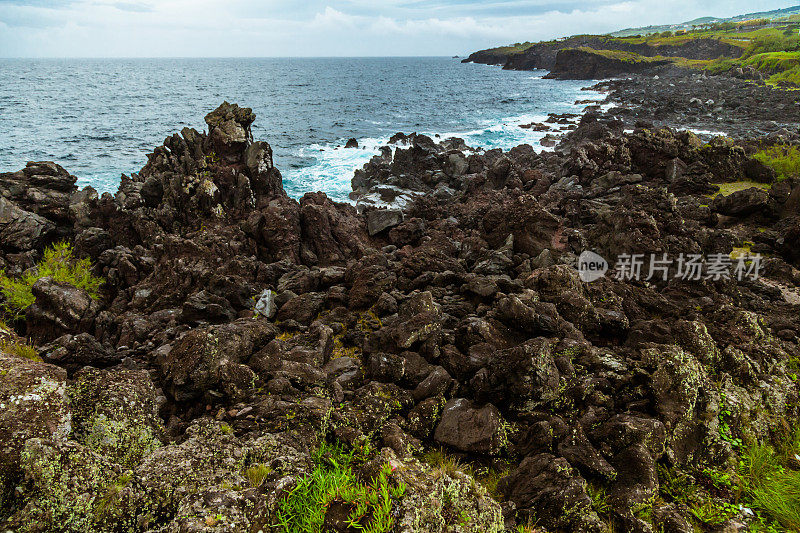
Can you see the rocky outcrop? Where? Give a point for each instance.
(241, 335)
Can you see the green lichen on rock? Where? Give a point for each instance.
(115, 414)
(439, 502)
(64, 482)
(209, 457)
(33, 404)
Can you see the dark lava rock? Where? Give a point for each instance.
(382, 219)
(744, 203)
(59, 309)
(468, 428)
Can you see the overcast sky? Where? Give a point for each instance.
(179, 28)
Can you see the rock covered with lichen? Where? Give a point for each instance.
(33, 404)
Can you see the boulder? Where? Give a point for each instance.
(792, 205)
(303, 309)
(546, 487)
(434, 497)
(380, 220)
(207, 359)
(420, 320)
(265, 304)
(525, 376)
(71, 488)
(744, 203)
(33, 404)
(59, 309)
(229, 131)
(73, 352)
(22, 230)
(115, 413)
(471, 429)
(265, 179)
(206, 307)
(43, 188)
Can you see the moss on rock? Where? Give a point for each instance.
(116, 414)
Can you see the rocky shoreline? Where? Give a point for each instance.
(722, 105)
(238, 332)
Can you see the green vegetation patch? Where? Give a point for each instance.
(334, 484)
(771, 481)
(20, 349)
(784, 159)
(790, 77)
(621, 55)
(782, 67)
(726, 189)
(58, 263)
(774, 62)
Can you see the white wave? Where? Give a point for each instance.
(707, 132)
(335, 165)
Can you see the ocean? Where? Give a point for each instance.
(99, 118)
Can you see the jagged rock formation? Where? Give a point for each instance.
(460, 322)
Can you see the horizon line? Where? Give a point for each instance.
(447, 56)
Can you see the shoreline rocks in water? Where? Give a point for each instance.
(454, 331)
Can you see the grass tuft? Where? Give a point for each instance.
(58, 263)
(771, 486)
(784, 159)
(257, 474)
(20, 349)
(333, 482)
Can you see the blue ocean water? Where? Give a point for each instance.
(100, 117)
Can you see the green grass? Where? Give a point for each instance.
(726, 189)
(58, 263)
(257, 474)
(780, 67)
(770, 40)
(771, 484)
(774, 62)
(784, 159)
(20, 349)
(445, 462)
(620, 55)
(790, 77)
(600, 499)
(333, 481)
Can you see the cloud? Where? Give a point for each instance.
(321, 27)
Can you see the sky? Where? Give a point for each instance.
(279, 28)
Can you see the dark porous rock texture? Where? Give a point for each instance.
(739, 108)
(239, 330)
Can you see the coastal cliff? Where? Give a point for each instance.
(589, 64)
(544, 55)
(760, 49)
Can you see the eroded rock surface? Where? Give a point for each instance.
(238, 329)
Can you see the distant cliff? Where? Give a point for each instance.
(543, 55)
(589, 64)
